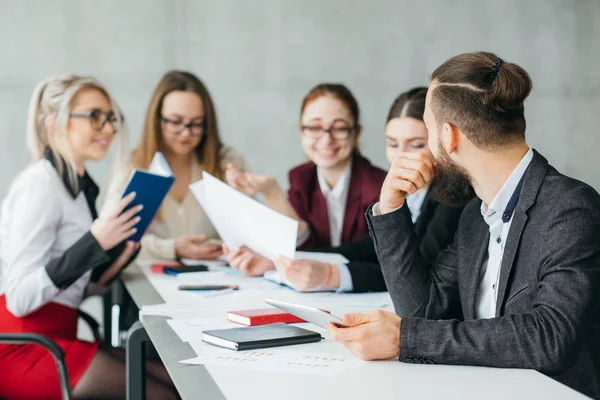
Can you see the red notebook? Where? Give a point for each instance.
(262, 316)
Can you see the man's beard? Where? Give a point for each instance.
(452, 185)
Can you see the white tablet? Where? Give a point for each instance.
(309, 314)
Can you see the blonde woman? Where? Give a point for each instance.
(181, 123)
(52, 245)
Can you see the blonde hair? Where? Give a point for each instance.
(51, 99)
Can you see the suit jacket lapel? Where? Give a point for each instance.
(534, 176)
(321, 220)
(353, 203)
(511, 246)
(479, 244)
(427, 210)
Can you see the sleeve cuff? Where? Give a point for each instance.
(389, 220)
(84, 255)
(154, 247)
(377, 210)
(346, 284)
(303, 237)
(406, 327)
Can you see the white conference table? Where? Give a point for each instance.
(375, 380)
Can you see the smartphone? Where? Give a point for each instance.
(309, 314)
(182, 269)
(208, 287)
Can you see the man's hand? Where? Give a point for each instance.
(371, 336)
(409, 172)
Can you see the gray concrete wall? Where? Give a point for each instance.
(258, 59)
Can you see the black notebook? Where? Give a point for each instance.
(258, 337)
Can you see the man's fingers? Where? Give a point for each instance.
(345, 334)
(425, 166)
(402, 185)
(413, 176)
(356, 319)
(417, 165)
(421, 157)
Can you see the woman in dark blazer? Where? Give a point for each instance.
(329, 194)
(434, 223)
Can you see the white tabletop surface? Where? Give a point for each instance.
(371, 380)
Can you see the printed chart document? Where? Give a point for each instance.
(280, 361)
(243, 221)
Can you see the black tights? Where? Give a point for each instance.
(105, 378)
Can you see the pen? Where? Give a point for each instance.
(208, 287)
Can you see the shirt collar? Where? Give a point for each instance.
(340, 187)
(416, 199)
(85, 183)
(494, 211)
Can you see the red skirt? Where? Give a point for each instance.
(29, 371)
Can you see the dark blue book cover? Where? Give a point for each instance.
(150, 190)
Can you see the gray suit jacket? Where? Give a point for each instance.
(547, 314)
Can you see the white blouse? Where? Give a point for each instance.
(46, 250)
(336, 199)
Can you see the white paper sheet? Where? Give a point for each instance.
(280, 361)
(243, 221)
(159, 165)
(330, 258)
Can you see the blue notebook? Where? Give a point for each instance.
(150, 187)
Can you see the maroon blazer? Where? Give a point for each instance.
(307, 199)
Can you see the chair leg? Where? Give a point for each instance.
(106, 316)
(136, 362)
(65, 386)
(115, 328)
(52, 347)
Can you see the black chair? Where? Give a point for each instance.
(57, 353)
